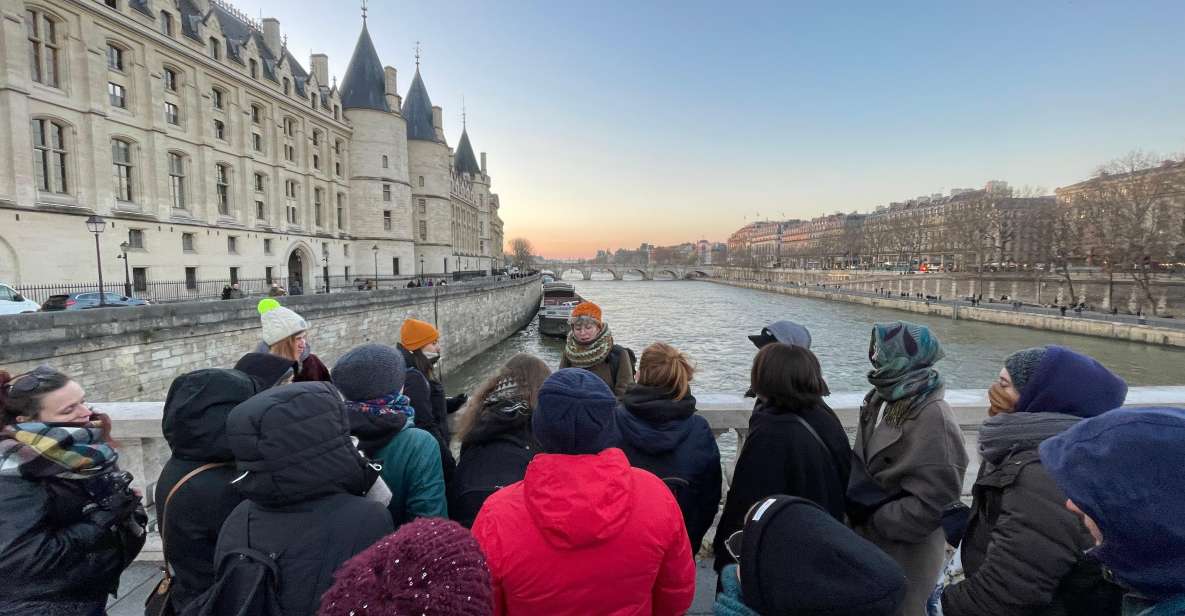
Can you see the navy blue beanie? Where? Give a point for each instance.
(1071, 383)
(575, 414)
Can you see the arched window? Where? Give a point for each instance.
(49, 156)
(177, 180)
(253, 68)
(122, 170)
(42, 31)
(222, 188)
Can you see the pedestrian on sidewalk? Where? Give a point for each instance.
(429, 566)
(420, 345)
(590, 346)
(495, 434)
(583, 532)
(794, 558)
(796, 444)
(285, 334)
(69, 520)
(1023, 551)
(371, 377)
(1121, 473)
(909, 457)
(661, 433)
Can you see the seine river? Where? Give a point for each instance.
(710, 323)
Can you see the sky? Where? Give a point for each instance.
(614, 123)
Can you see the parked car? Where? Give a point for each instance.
(89, 299)
(12, 302)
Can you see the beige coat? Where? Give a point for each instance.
(925, 458)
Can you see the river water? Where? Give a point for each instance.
(710, 323)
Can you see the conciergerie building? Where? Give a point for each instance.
(213, 154)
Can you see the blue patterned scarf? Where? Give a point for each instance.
(902, 354)
(36, 450)
(387, 405)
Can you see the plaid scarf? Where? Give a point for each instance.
(902, 354)
(591, 354)
(387, 405)
(35, 450)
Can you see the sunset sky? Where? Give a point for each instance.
(610, 124)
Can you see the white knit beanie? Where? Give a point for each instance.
(281, 322)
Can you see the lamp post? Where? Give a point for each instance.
(96, 225)
(127, 277)
(421, 269)
(325, 271)
(375, 249)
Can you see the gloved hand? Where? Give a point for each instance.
(454, 404)
(113, 510)
(954, 522)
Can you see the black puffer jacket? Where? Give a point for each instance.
(780, 456)
(304, 483)
(195, 426)
(1036, 563)
(494, 454)
(667, 438)
(432, 409)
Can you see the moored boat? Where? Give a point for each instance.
(559, 298)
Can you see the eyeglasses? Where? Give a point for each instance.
(29, 382)
(733, 544)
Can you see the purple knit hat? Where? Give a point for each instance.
(428, 566)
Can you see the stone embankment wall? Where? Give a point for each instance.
(1086, 327)
(128, 354)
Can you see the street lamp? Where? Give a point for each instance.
(325, 271)
(127, 277)
(96, 225)
(421, 269)
(375, 249)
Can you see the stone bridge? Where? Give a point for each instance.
(648, 271)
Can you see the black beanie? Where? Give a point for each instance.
(797, 560)
(265, 369)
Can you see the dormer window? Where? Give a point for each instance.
(253, 68)
(215, 48)
(287, 86)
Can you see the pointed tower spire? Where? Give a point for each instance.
(417, 107)
(464, 161)
(364, 86)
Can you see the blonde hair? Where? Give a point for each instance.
(666, 367)
(286, 348)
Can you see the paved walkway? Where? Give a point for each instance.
(141, 578)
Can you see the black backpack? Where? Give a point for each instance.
(246, 583)
(615, 359)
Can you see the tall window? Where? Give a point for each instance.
(117, 95)
(215, 49)
(341, 211)
(386, 192)
(172, 115)
(394, 266)
(423, 203)
(49, 156)
(114, 57)
(220, 130)
(166, 24)
(232, 244)
(260, 210)
(140, 279)
(216, 98)
(384, 161)
(421, 181)
(423, 230)
(257, 142)
(287, 86)
(386, 220)
(256, 114)
(177, 180)
(253, 68)
(267, 246)
(170, 79)
(317, 206)
(222, 188)
(191, 278)
(121, 161)
(259, 182)
(136, 238)
(290, 197)
(43, 47)
(187, 242)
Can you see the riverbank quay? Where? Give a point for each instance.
(1149, 330)
(129, 354)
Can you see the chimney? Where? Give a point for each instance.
(483, 163)
(438, 121)
(390, 81)
(271, 35)
(203, 6)
(319, 63)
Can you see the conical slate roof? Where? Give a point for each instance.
(464, 161)
(417, 110)
(364, 86)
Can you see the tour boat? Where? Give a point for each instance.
(559, 298)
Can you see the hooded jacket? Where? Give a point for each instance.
(427, 398)
(667, 438)
(410, 460)
(1123, 469)
(303, 481)
(780, 456)
(194, 425)
(494, 454)
(586, 534)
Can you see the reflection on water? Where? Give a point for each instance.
(710, 323)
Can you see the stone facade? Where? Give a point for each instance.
(134, 354)
(191, 118)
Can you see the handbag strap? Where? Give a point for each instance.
(818, 439)
(177, 486)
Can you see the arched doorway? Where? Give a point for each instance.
(295, 273)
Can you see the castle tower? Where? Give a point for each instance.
(380, 212)
(475, 237)
(430, 171)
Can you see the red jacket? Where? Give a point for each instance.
(586, 534)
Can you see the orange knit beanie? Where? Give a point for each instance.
(587, 309)
(416, 334)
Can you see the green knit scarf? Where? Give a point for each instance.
(591, 354)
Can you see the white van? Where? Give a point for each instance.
(12, 302)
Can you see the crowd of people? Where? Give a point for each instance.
(297, 489)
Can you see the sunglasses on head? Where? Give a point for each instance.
(733, 544)
(31, 380)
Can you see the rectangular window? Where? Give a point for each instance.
(216, 98)
(166, 24)
(267, 274)
(177, 180)
(345, 250)
(423, 203)
(215, 49)
(234, 275)
(290, 193)
(49, 156)
(140, 279)
(289, 153)
(222, 187)
(316, 161)
(172, 116)
(117, 95)
(341, 218)
(170, 79)
(386, 220)
(384, 161)
(257, 141)
(256, 114)
(267, 247)
(43, 47)
(219, 130)
(136, 238)
(187, 242)
(317, 206)
(114, 58)
(260, 210)
(421, 181)
(232, 244)
(337, 168)
(121, 160)
(423, 230)
(259, 182)
(395, 266)
(191, 278)
(386, 192)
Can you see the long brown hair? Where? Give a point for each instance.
(528, 373)
(665, 367)
(286, 348)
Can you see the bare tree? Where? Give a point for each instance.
(523, 252)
